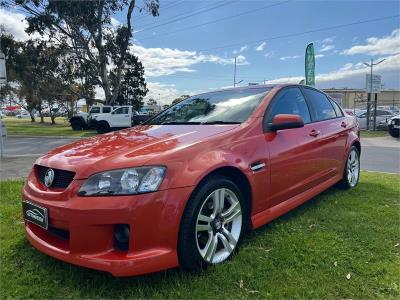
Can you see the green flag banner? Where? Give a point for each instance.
(310, 65)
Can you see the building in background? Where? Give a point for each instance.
(357, 98)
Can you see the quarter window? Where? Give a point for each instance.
(289, 101)
(322, 107)
(337, 109)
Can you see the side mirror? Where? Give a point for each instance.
(286, 121)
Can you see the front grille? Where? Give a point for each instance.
(61, 179)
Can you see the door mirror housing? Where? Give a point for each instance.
(286, 121)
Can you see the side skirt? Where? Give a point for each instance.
(272, 213)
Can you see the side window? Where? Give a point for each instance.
(95, 110)
(337, 109)
(106, 110)
(289, 101)
(382, 113)
(121, 111)
(322, 107)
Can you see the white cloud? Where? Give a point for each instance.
(269, 53)
(328, 40)
(352, 74)
(115, 22)
(242, 49)
(319, 55)
(261, 47)
(14, 23)
(327, 44)
(162, 93)
(290, 57)
(167, 61)
(378, 46)
(326, 48)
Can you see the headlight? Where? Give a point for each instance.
(124, 181)
(393, 122)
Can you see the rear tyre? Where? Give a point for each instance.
(351, 174)
(212, 225)
(103, 127)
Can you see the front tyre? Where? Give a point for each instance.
(351, 173)
(212, 224)
(394, 132)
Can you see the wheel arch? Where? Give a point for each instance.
(238, 177)
(356, 144)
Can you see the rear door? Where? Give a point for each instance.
(292, 152)
(330, 133)
(121, 117)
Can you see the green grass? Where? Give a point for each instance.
(305, 254)
(25, 127)
(378, 133)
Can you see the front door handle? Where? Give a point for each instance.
(344, 125)
(315, 133)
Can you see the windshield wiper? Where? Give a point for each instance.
(218, 122)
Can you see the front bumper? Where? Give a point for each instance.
(88, 225)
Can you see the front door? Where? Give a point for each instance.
(292, 152)
(120, 117)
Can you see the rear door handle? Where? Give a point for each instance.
(344, 125)
(315, 133)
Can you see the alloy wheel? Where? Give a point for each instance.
(218, 225)
(353, 168)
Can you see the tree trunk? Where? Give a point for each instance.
(33, 120)
(53, 122)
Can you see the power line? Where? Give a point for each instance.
(162, 8)
(187, 16)
(182, 14)
(163, 34)
(298, 33)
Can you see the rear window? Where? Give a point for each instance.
(337, 109)
(322, 107)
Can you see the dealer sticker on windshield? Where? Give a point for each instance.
(35, 214)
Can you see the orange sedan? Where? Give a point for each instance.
(183, 189)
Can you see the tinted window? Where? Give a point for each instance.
(382, 113)
(121, 111)
(322, 107)
(231, 106)
(337, 109)
(106, 109)
(95, 110)
(289, 101)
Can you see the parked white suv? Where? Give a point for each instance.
(121, 117)
(83, 120)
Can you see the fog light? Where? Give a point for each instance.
(122, 234)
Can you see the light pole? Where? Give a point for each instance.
(371, 65)
(234, 76)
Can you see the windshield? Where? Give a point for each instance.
(224, 107)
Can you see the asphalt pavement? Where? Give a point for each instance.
(380, 154)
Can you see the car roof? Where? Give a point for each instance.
(251, 87)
